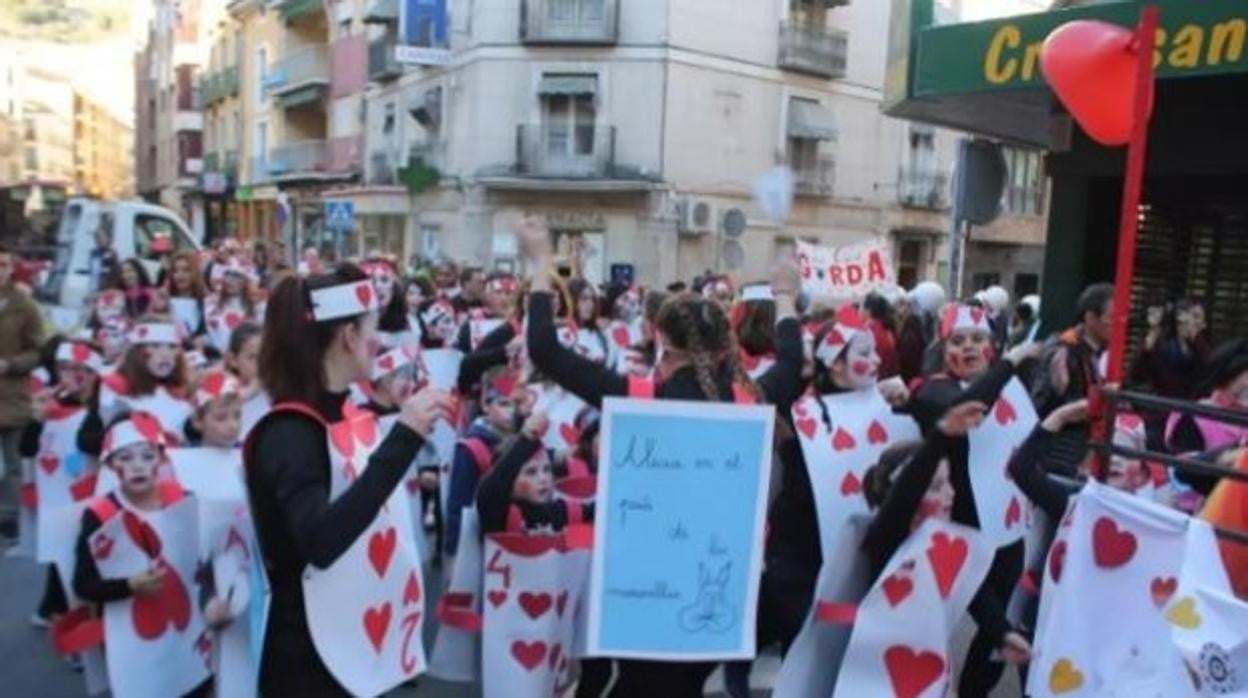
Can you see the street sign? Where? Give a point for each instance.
(339, 214)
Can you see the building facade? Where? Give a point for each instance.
(103, 151)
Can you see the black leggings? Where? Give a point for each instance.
(979, 673)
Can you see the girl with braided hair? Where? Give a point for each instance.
(697, 361)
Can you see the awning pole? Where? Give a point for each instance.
(1129, 221)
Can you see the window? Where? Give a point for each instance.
(262, 73)
(983, 280)
(147, 228)
(388, 119)
(910, 256)
(261, 146)
(1026, 284)
(32, 158)
(575, 11)
(803, 154)
(568, 120)
(1024, 193)
(809, 13)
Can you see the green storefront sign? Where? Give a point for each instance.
(1196, 38)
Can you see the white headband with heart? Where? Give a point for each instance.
(343, 300)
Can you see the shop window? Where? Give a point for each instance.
(1026, 284)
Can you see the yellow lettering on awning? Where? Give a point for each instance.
(1159, 43)
(1188, 45)
(1030, 59)
(996, 71)
(1226, 41)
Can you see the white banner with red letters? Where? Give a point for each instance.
(845, 272)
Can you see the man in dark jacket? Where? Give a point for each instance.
(21, 333)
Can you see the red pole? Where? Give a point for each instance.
(1128, 226)
(1129, 221)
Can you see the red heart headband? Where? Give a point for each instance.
(80, 354)
(216, 385)
(848, 323)
(389, 362)
(155, 333)
(437, 311)
(138, 428)
(501, 284)
(956, 317)
(502, 386)
(379, 267)
(343, 300)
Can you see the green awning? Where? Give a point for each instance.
(568, 85)
(808, 119)
(382, 12)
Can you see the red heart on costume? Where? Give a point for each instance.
(148, 616)
(621, 336)
(142, 534)
(555, 651)
(1091, 66)
(84, 487)
(233, 320)
(386, 363)
(102, 547)
(49, 463)
(376, 623)
(535, 605)
(1057, 560)
(176, 600)
(807, 426)
(1111, 547)
(896, 589)
(843, 440)
(1162, 589)
(876, 433)
(80, 353)
(364, 292)
(528, 654)
(1004, 412)
(850, 484)
(381, 547)
(147, 425)
(570, 434)
(561, 602)
(947, 555)
(340, 436)
(911, 673)
(497, 598)
(365, 429)
(1013, 513)
(411, 591)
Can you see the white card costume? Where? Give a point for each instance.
(1210, 629)
(1118, 576)
(221, 321)
(562, 408)
(172, 410)
(457, 648)
(533, 586)
(186, 312)
(903, 632)
(480, 328)
(156, 645)
(64, 480)
(366, 610)
(1003, 509)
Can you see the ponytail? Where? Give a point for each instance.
(293, 346)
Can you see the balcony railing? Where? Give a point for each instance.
(923, 189)
(547, 150)
(303, 68)
(295, 158)
(814, 50)
(593, 22)
(815, 178)
(293, 11)
(382, 63)
(382, 168)
(431, 153)
(216, 86)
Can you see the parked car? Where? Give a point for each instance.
(138, 230)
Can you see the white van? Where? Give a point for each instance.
(133, 225)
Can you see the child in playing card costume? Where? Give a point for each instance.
(754, 324)
(218, 411)
(499, 302)
(152, 378)
(476, 451)
(234, 302)
(242, 361)
(64, 442)
(972, 370)
(325, 498)
(698, 362)
(133, 448)
(185, 288)
(393, 330)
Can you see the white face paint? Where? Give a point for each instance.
(383, 284)
(862, 363)
(136, 466)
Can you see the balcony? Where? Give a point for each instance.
(219, 85)
(815, 178)
(923, 189)
(301, 77)
(814, 50)
(583, 22)
(295, 11)
(382, 63)
(301, 157)
(565, 152)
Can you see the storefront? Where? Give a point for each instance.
(984, 77)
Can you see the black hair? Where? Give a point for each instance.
(394, 316)
(1094, 299)
(880, 310)
(1227, 362)
(821, 382)
(241, 334)
(878, 480)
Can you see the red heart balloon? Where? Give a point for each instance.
(1091, 66)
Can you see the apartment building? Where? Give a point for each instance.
(102, 151)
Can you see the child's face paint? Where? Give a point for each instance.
(863, 361)
(938, 500)
(968, 353)
(161, 359)
(136, 468)
(535, 483)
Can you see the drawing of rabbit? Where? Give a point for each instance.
(710, 611)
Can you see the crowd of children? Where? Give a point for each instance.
(231, 469)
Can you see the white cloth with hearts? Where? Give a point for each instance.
(1212, 636)
(1117, 570)
(562, 408)
(171, 410)
(593, 344)
(533, 585)
(903, 633)
(457, 649)
(623, 336)
(366, 610)
(64, 481)
(155, 645)
(221, 321)
(442, 368)
(186, 312)
(1003, 511)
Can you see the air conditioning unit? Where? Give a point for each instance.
(696, 217)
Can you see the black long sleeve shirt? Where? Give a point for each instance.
(494, 494)
(490, 353)
(87, 583)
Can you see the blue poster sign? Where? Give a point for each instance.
(339, 214)
(678, 535)
(423, 30)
